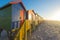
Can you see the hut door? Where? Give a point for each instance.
(21, 17)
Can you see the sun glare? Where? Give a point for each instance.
(55, 16)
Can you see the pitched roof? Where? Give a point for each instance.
(5, 6)
(31, 11)
(11, 3)
(5, 2)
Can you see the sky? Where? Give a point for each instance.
(48, 9)
(4, 2)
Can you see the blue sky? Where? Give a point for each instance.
(45, 8)
(49, 9)
(4, 2)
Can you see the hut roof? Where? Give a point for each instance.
(11, 3)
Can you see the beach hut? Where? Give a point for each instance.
(11, 15)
